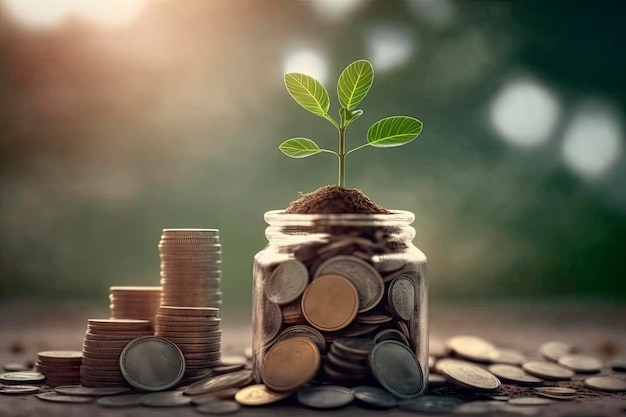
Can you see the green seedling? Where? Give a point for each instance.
(353, 85)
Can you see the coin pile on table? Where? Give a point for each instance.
(141, 303)
(103, 343)
(60, 367)
(348, 296)
(196, 332)
(191, 267)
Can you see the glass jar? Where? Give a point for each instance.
(346, 282)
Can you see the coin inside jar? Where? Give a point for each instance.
(290, 364)
(287, 282)
(330, 303)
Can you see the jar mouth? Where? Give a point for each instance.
(395, 218)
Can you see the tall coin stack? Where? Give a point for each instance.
(196, 332)
(104, 341)
(141, 303)
(191, 267)
(60, 367)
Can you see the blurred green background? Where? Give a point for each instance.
(123, 117)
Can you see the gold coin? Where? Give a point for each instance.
(330, 303)
(259, 394)
(292, 363)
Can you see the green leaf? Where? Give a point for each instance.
(354, 83)
(393, 131)
(299, 147)
(308, 92)
(349, 116)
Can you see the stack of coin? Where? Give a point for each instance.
(141, 303)
(196, 332)
(104, 341)
(191, 267)
(61, 367)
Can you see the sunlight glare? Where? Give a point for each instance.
(592, 143)
(525, 113)
(307, 61)
(35, 13)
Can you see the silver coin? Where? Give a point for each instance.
(119, 401)
(554, 349)
(362, 275)
(304, 331)
(396, 368)
(390, 334)
(354, 346)
(218, 407)
(431, 403)
(531, 401)
(233, 380)
(325, 396)
(152, 363)
(509, 357)
(581, 363)
(374, 397)
(346, 365)
(548, 370)
(18, 389)
(287, 282)
(90, 391)
(513, 374)
(389, 262)
(559, 393)
(473, 348)
(59, 398)
(401, 298)
(22, 377)
(468, 375)
(165, 399)
(272, 321)
(606, 383)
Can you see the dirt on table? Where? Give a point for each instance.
(333, 199)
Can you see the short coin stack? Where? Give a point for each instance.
(196, 332)
(191, 267)
(141, 303)
(61, 367)
(104, 341)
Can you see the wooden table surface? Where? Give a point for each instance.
(599, 329)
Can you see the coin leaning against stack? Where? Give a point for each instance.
(104, 341)
(141, 303)
(60, 367)
(191, 267)
(196, 332)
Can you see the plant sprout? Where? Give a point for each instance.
(354, 83)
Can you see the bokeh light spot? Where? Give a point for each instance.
(389, 47)
(439, 13)
(525, 113)
(307, 61)
(592, 143)
(110, 12)
(335, 9)
(37, 13)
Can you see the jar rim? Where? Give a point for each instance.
(396, 217)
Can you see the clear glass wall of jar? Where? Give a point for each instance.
(306, 280)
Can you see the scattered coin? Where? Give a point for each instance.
(152, 363)
(468, 375)
(15, 367)
(472, 348)
(559, 393)
(606, 383)
(22, 378)
(119, 401)
(553, 350)
(548, 370)
(374, 397)
(581, 363)
(325, 396)
(59, 398)
(333, 290)
(619, 365)
(226, 369)
(509, 357)
(216, 383)
(79, 390)
(165, 399)
(219, 407)
(513, 374)
(530, 401)
(290, 364)
(18, 389)
(259, 394)
(431, 404)
(397, 369)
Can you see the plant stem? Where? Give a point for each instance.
(342, 157)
